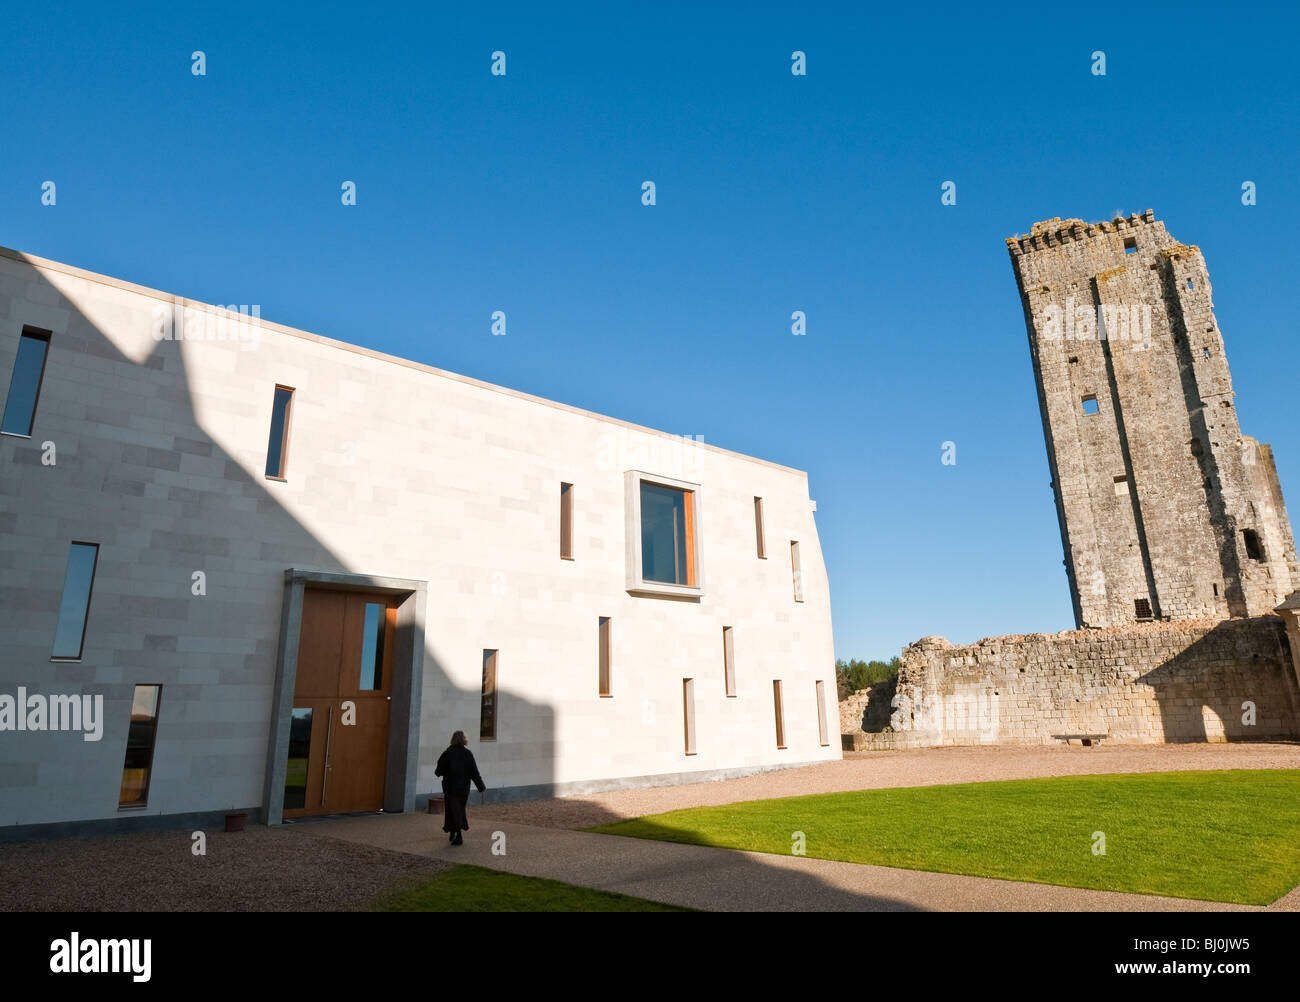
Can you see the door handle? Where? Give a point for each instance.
(325, 773)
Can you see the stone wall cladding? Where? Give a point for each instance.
(1140, 684)
(394, 470)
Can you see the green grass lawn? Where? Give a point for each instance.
(1220, 836)
(466, 888)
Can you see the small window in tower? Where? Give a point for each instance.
(1130, 245)
(1142, 608)
(1253, 548)
(1216, 591)
(1205, 352)
(1073, 359)
(1121, 486)
(1189, 283)
(1090, 405)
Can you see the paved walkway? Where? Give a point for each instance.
(725, 879)
(540, 840)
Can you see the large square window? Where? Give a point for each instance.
(663, 536)
(667, 527)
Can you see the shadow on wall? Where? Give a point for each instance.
(877, 705)
(137, 472)
(1234, 684)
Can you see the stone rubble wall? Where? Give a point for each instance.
(1140, 684)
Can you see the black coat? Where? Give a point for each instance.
(457, 768)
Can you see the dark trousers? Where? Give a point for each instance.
(454, 819)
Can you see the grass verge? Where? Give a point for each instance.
(1231, 835)
(465, 888)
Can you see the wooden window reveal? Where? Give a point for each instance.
(728, 661)
(780, 713)
(566, 521)
(487, 728)
(604, 658)
(688, 713)
(277, 447)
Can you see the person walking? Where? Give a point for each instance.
(457, 768)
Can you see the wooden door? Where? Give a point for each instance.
(338, 747)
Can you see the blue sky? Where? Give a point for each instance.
(775, 193)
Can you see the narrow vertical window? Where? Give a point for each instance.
(277, 448)
(821, 713)
(780, 713)
(25, 383)
(295, 772)
(372, 646)
(758, 528)
(728, 661)
(70, 633)
(139, 746)
(566, 521)
(603, 639)
(795, 570)
(688, 713)
(487, 728)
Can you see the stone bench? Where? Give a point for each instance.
(1087, 740)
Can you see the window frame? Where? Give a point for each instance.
(143, 803)
(636, 584)
(604, 657)
(759, 529)
(491, 658)
(566, 520)
(36, 334)
(689, 736)
(729, 662)
(283, 475)
(90, 595)
(778, 704)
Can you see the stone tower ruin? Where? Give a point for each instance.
(1167, 511)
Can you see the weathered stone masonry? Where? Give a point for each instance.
(1187, 681)
(1177, 544)
(1167, 511)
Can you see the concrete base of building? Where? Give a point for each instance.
(126, 824)
(207, 820)
(547, 791)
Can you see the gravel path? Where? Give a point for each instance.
(261, 869)
(876, 770)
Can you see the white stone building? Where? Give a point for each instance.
(292, 567)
